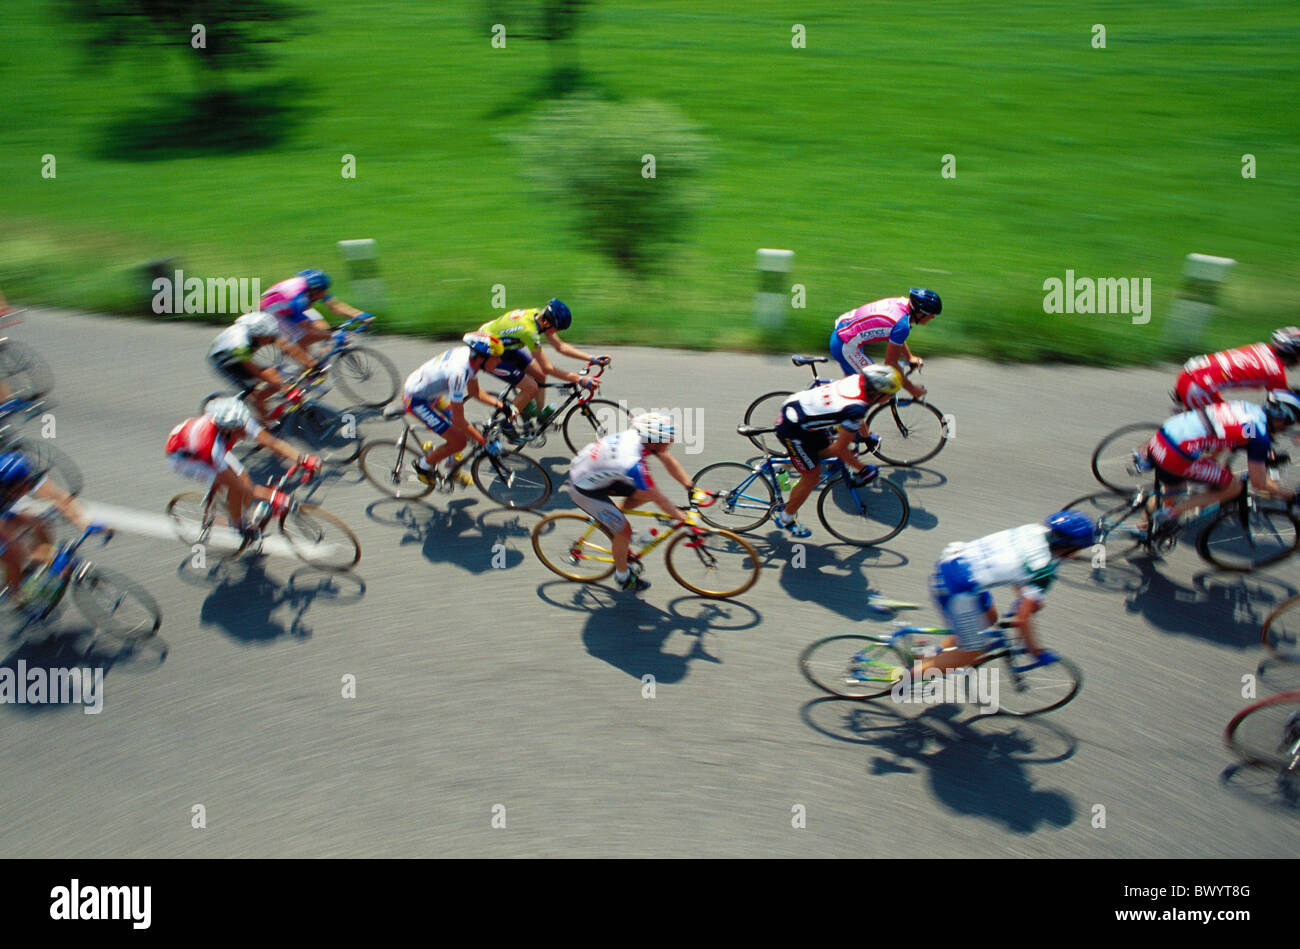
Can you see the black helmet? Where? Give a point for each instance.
(924, 301)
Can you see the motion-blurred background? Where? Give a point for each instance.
(508, 143)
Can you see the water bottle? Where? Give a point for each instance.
(261, 513)
(783, 479)
(643, 537)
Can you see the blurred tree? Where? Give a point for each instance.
(555, 22)
(221, 40)
(213, 35)
(629, 172)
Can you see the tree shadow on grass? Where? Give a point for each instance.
(555, 84)
(223, 122)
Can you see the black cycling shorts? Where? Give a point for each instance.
(803, 445)
(513, 366)
(238, 373)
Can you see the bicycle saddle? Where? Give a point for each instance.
(748, 430)
(808, 360)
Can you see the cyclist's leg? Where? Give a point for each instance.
(12, 557)
(1209, 472)
(805, 450)
(849, 355)
(439, 423)
(968, 611)
(599, 505)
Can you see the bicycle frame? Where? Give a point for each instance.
(1143, 535)
(999, 643)
(342, 338)
(576, 395)
(63, 565)
(633, 555)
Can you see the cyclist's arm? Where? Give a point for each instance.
(661, 501)
(566, 349)
(840, 447)
(676, 471)
(476, 391)
(1262, 483)
(294, 352)
(281, 448)
(64, 503)
(1026, 607)
(895, 354)
(548, 369)
(343, 309)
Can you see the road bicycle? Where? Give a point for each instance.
(1280, 633)
(1267, 735)
(864, 666)
(50, 461)
(299, 415)
(708, 562)
(114, 604)
(511, 479)
(749, 493)
(581, 418)
(313, 534)
(1240, 535)
(365, 374)
(911, 431)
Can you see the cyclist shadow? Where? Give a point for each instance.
(1261, 787)
(912, 480)
(244, 599)
(56, 653)
(975, 767)
(1222, 608)
(453, 535)
(632, 635)
(832, 575)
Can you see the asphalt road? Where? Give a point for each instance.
(509, 693)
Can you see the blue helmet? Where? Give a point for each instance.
(558, 314)
(316, 279)
(924, 301)
(1070, 529)
(16, 472)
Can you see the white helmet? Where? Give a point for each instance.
(228, 413)
(1283, 406)
(259, 324)
(654, 428)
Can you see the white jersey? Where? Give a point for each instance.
(615, 459)
(843, 403)
(446, 375)
(1019, 556)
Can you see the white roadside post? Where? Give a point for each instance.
(1203, 276)
(365, 286)
(773, 300)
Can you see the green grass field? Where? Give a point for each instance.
(1111, 162)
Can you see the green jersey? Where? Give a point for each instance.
(516, 329)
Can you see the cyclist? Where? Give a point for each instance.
(291, 302)
(436, 393)
(525, 365)
(19, 477)
(804, 426)
(231, 356)
(1025, 557)
(615, 466)
(891, 319)
(1257, 366)
(1184, 448)
(202, 448)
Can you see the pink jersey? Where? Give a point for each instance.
(884, 319)
(288, 300)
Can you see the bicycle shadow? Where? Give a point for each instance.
(56, 657)
(452, 535)
(833, 575)
(1228, 609)
(244, 599)
(971, 772)
(632, 635)
(912, 480)
(1261, 787)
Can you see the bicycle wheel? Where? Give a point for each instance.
(910, 431)
(590, 421)
(24, 371)
(320, 539)
(764, 412)
(1112, 459)
(199, 521)
(851, 666)
(514, 481)
(57, 466)
(1267, 733)
(387, 464)
(574, 546)
(115, 604)
(716, 564)
(1271, 533)
(1024, 692)
(367, 375)
(745, 498)
(1281, 631)
(863, 516)
(328, 433)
